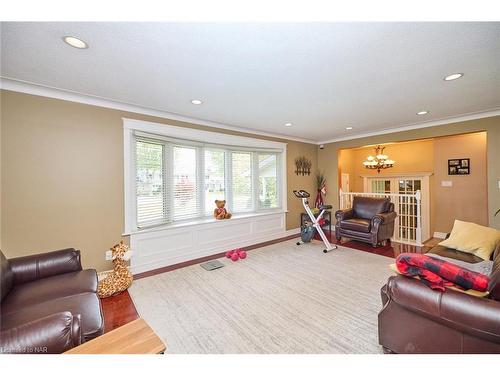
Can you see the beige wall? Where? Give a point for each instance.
(467, 198)
(62, 176)
(0, 177)
(295, 182)
(328, 157)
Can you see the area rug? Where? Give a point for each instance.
(283, 298)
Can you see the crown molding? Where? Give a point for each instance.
(10, 84)
(443, 121)
(25, 87)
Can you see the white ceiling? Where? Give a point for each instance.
(320, 77)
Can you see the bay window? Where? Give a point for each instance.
(178, 180)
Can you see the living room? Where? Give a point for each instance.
(250, 188)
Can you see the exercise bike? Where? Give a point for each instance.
(307, 232)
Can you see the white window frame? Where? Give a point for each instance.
(196, 136)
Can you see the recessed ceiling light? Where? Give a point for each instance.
(422, 113)
(288, 124)
(453, 76)
(75, 42)
(348, 128)
(196, 101)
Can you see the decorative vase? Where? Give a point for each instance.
(319, 199)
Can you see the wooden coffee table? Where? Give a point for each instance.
(135, 337)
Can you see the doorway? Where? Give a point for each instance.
(405, 187)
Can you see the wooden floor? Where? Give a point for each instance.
(119, 310)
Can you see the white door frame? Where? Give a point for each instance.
(344, 182)
(424, 177)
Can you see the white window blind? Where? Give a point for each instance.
(242, 197)
(150, 182)
(179, 180)
(215, 178)
(185, 184)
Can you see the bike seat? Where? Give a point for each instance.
(301, 194)
(325, 207)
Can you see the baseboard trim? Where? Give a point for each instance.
(289, 234)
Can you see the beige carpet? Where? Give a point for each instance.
(282, 299)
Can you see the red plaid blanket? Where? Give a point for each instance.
(437, 273)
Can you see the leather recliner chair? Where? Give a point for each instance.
(369, 220)
(48, 303)
(418, 319)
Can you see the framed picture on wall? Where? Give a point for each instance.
(459, 166)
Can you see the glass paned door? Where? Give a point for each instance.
(381, 186)
(408, 208)
(405, 206)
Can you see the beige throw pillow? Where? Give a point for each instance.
(473, 238)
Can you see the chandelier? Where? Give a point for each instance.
(379, 161)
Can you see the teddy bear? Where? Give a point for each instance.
(220, 212)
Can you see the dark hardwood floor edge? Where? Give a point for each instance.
(187, 263)
(118, 310)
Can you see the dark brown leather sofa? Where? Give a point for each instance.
(417, 319)
(48, 303)
(369, 220)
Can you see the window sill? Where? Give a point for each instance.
(206, 220)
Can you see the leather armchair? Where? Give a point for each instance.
(37, 266)
(417, 319)
(51, 334)
(48, 303)
(370, 220)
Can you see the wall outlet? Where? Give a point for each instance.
(441, 235)
(446, 183)
(109, 255)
